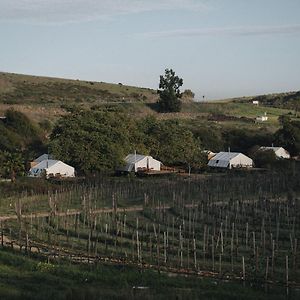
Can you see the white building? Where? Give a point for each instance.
(136, 162)
(263, 118)
(52, 168)
(230, 160)
(279, 151)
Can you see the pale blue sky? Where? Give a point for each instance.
(221, 48)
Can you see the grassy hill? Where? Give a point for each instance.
(20, 89)
(290, 100)
(43, 98)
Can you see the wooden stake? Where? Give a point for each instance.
(165, 247)
(287, 269)
(195, 254)
(247, 232)
(273, 256)
(267, 268)
(253, 234)
(244, 271)
(213, 252)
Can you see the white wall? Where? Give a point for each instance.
(63, 169)
(141, 164)
(148, 162)
(154, 164)
(282, 153)
(241, 160)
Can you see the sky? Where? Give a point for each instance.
(221, 48)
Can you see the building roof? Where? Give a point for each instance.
(222, 159)
(134, 158)
(270, 148)
(43, 157)
(225, 155)
(45, 164)
(131, 160)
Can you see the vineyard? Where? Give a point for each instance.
(239, 226)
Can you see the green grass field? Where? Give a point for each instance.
(24, 277)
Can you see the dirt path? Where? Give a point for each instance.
(72, 212)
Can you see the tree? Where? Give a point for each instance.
(19, 134)
(172, 143)
(11, 165)
(188, 94)
(169, 93)
(263, 158)
(289, 135)
(93, 141)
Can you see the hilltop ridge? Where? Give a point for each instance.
(29, 89)
(49, 98)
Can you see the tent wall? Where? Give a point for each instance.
(241, 160)
(61, 168)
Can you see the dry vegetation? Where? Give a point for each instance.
(48, 98)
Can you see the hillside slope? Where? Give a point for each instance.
(48, 98)
(26, 89)
(290, 100)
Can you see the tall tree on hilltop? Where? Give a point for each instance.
(169, 93)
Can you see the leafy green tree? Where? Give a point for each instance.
(172, 143)
(21, 124)
(188, 94)
(92, 141)
(289, 135)
(18, 133)
(264, 158)
(169, 93)
(12, 165)
(209, 136)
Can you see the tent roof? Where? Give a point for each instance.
(222, 159)
(134, 158)
(270, 148)
(43, 157)
(227, 156)
(45, 164)
(131, 160)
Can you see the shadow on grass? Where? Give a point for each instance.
(153, 106)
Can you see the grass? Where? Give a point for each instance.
(48, 98)
(234, 109)
(15, 88)
(25, 277)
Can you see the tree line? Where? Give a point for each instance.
(97, 140)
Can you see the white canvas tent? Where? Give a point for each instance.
(230, 160)
(279, 151)
(52, 168)
(40, 159)
(136, 162)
